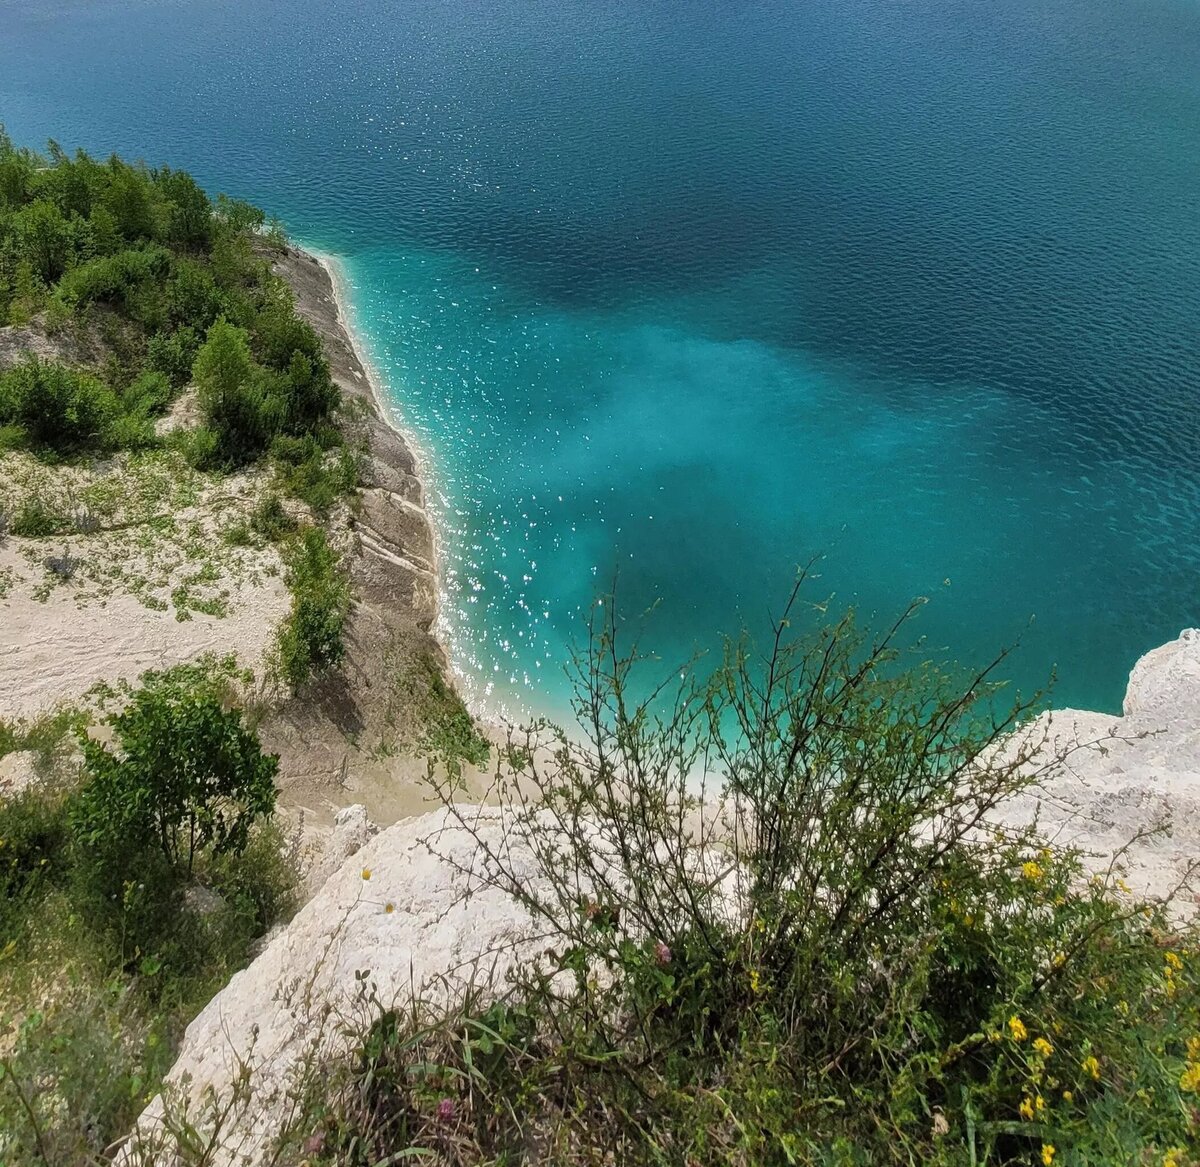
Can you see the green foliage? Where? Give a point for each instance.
(312, 472)
(186, 773)
(44, 735)
(33, 827)
(108, 945)
(449, 735)
(270, 520)
(37, 519)
(237, 402)
(172, 354)
(42, 237)
(169, 282)
(57, 407)
(310, 641)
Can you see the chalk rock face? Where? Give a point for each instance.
(352, 830)
(388, 923)
(1126, 775)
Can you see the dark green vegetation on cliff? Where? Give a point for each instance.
(150, 286)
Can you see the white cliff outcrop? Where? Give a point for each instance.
(394, 908)
(1142, 771)
(389, 924)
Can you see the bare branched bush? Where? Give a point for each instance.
(786, 925)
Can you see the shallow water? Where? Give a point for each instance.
(683, 293)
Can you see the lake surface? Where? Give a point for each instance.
(686, 292)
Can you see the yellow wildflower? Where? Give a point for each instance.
(1048, 1153)
(1032, 870)
(1193, 1048)
(1039, 1104)
(1068, 1095)
(1026, 1108)
(1043, 1047)
(1017, 1028)
(1171, 1158)
(1091, 1065)
(755, 983)
(1173, 961)
(1190, 1078)
(366, 873)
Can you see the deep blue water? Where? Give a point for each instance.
(695, 290)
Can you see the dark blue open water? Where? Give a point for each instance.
(697, 289)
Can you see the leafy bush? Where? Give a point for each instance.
(34, 827)
(237, 406)
(310, 640)
(270, 520)
(186, 775)
(172, 354)
(836, 958)
(449, 735)
(310, 471)
(55, 406)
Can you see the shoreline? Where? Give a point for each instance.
(344, 312)
(492, 724)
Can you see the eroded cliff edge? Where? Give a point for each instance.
(334, 739)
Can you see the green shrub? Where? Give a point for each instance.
(307, 470)
(148, 395)
(449, 734)
(34, 830)
(201, 446)
(57, 407)
(310, 641)
(270, 520)
(186, 776)
(240, 405)
(116, 278)
(82, 1070)
(172, 354)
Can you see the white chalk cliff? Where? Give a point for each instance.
(403, 923)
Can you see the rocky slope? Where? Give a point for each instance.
(394, 908)
(335, 743)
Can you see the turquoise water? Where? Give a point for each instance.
(687, 292)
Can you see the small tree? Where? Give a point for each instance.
(186, 772)
(235, 394)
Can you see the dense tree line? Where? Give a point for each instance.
(161, 287)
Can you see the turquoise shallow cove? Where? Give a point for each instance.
(693, 290)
